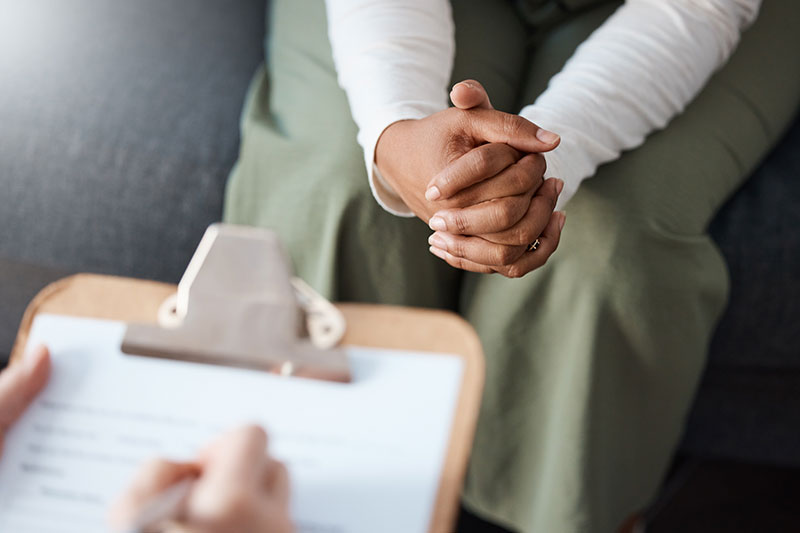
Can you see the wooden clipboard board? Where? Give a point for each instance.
(132, 300)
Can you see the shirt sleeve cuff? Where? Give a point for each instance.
(556, 169)
(385, 195)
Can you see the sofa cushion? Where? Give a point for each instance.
(19, 283)
(746, 406)
(758, 231)
(118, 128)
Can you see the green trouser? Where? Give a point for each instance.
(592, 360)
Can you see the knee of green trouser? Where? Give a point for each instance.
(658, 291)
(646, 302)
(618, 321)
(674, 183)
(610, 258)
(634, 265)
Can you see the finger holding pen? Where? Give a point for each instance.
(235, 488)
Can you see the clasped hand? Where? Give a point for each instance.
(475, 175)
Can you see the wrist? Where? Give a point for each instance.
(388, 147)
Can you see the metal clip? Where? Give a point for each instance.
(237, 305)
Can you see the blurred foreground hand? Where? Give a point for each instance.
(239, 488)
(19, 385)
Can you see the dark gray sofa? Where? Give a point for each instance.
(119, 124)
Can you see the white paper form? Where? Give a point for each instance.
(362, 457)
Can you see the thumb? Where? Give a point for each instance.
(20, 383)
(469, 94)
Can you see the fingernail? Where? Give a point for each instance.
(562, 220)
(437, 252)
(437, 241)
(432, 193)
(547, 136)
(559, 186)
(437, 223)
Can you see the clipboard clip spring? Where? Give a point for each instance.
(325, 323)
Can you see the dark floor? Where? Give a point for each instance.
(708, 496)
(728, 497)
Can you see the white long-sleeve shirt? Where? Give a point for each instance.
(394, 59)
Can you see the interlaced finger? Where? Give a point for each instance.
(533, 222)
(473, 167)
(460, 262)
(548, 243)
(523, 177)
(487, 217)
(476, 249)
(497, 127)
(527, 262)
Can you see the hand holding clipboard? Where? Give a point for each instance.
(397, 379)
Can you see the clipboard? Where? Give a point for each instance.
(140, 301)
